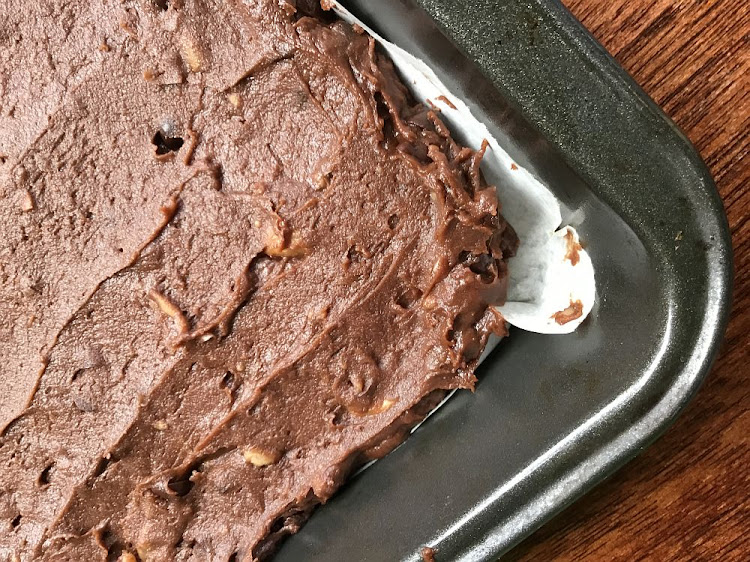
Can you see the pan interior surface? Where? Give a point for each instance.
(552, 415)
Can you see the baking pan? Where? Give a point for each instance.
(552, 415)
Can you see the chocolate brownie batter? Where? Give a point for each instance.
(237, 261)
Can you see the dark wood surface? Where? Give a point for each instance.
(688, 496)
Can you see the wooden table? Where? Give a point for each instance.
(688, 496)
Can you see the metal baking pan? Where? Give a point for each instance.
(552, 415)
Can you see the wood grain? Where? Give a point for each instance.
(688, 496)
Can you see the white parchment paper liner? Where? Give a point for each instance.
(551, 288)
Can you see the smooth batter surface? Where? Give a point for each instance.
(236, 262)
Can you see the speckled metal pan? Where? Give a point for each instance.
(552, 416)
